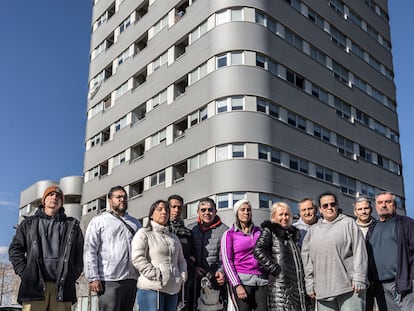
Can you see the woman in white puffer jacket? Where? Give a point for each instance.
(158, 256)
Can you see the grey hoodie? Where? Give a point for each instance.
(334, 254)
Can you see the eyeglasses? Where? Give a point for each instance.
(125, 197)
(210, 209)
(326, 205)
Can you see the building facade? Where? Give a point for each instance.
(266, 100)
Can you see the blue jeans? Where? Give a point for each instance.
(151, 300)
(345, 302)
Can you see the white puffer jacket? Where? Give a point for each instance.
(158, 256)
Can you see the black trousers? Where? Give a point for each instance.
(256, 298)
(117, 295)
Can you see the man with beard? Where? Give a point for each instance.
(107, 252)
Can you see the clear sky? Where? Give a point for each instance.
(44, 59)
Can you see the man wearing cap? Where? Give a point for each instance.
(46, 253)
(108, 266)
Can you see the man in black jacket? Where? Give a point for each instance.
(176, 226)
(47, 255)
(390, 243)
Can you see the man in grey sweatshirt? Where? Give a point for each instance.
(335, 259)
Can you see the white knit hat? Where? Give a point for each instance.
(239, 203)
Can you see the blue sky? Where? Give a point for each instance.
(44, 59)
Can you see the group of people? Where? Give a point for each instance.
(326, 262)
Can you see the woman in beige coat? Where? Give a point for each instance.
(157, 255)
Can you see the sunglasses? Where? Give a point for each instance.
(210, 209)
(326, 205)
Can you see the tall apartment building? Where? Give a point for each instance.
(266, 100)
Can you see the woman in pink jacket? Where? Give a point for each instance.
(247, 280)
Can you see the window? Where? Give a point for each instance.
(293, 39)
(347, 184)
(342, 109)
(317, 55)
(227, 200)
(338, 38)
(121, 90)
(230, 151)
(298, 164)
(160, 25)
(359, 83)
(158, 138)
(157, 178)
(367, 190)
(136, 188)
(160, 61)
(236, 103)
(198, 161)
(238, 151)
(223, 17)
(159, 99)
(295, 79)
(337, 5)
(221, 60)
(379, 128)
(124, 56)
(345, 146)
(362, 117)
(296, 121)
(365, 153)
(315, 18)
(222, 153)
(321, 133)
(324, 173)
(121, 124)
(125, 24)
(119, 158)
(340, 72)
(319, 93)
(221, 105)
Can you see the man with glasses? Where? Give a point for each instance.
(335, 259)
(46, 254)
(207, 233)
(391, 254)
(107, 252)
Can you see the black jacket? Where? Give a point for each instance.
(405, 254)
(25, 253)
(186, 238)
(278, 253)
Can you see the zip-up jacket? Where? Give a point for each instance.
(107, 253)
(237, 254)
(277, 251)
(405, 254)
(26, 256)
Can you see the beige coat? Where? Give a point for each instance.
(158, 256)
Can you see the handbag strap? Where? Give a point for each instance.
(126, 225)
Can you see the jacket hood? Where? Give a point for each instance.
(60, 215)
(281, 232)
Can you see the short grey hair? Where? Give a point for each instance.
(362, 199)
